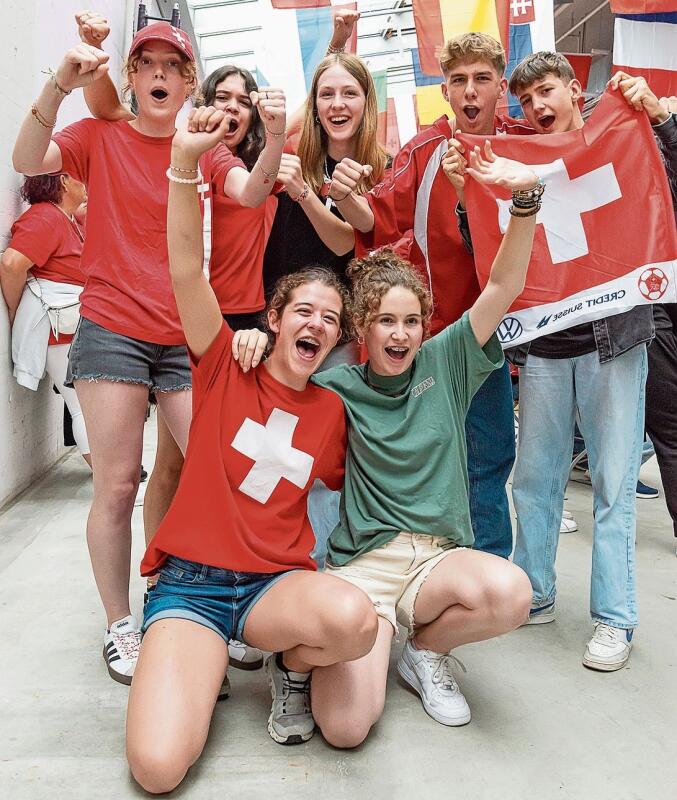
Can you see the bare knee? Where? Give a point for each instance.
(117, 494)
(158, 770)
(509, 597)
(348, 730)
(353, 623)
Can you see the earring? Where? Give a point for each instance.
(316, 119)
(360, 339)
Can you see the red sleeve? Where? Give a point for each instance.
(74, 141)
(216, 358)
(221, 164)
(35, 235)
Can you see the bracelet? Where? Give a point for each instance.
(269, 175)
(518, 211)
(303, 196)
(272, 133)
(180, 169)
(174, 179)
(40, 118)
(341, 199)
(52, 76)
(528, 196)
(335, 50)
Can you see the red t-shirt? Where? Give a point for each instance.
(255, 448)
(46, 236)
(239, 237)
(128, 288)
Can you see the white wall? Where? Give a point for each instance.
(35, 35)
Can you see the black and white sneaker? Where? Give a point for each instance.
(121, 649)
(290, 721)
(242, 656)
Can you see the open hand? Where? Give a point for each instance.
(81, 66)
(272, 108)
(346, 178)
(489, 168)
(92, 27)
(248, 347)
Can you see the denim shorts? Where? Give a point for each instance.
(99, 354)
(217, 598)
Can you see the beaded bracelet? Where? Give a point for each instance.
(174, 179)
(269, 175)
(518, 211)
(273, 134)
(335, 50)
(528, 195)
(52, 76)
(40, 118)
(303, 196)
(180, 169)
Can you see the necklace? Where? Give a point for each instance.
(72, 220)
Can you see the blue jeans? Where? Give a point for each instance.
(610, 402)
(490, 437)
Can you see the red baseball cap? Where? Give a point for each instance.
(163, 32)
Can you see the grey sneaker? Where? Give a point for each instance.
(542, 615)
(290, 721)
(242, 656)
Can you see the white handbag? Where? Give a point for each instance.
(62, 319)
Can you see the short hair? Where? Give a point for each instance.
(373, 277)
(285, 286)
(536, 66)
(43, 188)
(472, 47)
(188, 70)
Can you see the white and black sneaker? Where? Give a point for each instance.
(242, 656)
(121, 649)
(290, 721)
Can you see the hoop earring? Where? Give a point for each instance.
(316, 119)
(360, 339)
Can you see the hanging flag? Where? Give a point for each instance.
(429, 99)
(532, 28)
(642, 6)
(439, 20)
(580, 63)
(316, 26)
(300, 3)
(380, 79)
(587, 261)
(393, 143)
(646, 44)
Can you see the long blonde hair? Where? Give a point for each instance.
(314, 140)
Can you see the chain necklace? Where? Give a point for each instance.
(72, 220)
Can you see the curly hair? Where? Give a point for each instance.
(254, 141)
(188, 71)
(43, 188)
(285, 286)
(373, 277)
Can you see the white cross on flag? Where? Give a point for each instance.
(605, 235)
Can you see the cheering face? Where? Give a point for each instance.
(549, 104)
(472, 89)
(232, 98)
(308, 328)
(395, 335)
(159, 84)
(340, 104)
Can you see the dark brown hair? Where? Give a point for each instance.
(42, 188)
(372, 279)
(536, 66)
(285, 286)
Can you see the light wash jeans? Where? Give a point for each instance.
(609, 399)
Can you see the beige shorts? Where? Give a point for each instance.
(392, 575)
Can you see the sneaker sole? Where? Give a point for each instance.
(411, 682)
(117, 676)
(295, 738)
(540, 619)
(248, 666)
(640, 496)
(600, 666)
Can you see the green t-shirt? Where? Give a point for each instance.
(406, 466)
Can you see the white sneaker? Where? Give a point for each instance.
(430, 675)
(243, 656)
(121, 649)
(609, 648)
(568, 523)
(567, 514)
(542, 615)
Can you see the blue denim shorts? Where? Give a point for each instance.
(99, 354)
(217, 598)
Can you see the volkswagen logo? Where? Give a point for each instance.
(509, 329)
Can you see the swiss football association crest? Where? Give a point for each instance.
(653, 283)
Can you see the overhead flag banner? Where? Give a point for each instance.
(642, 6)
(586, 263)
(439, 20)
(646, 44)
(286, 4)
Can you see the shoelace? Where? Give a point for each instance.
(128, 644)
(292, 686)
(443, 674)
(605, 635)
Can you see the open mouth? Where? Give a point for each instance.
(159, 94)
(339, 121)
(307, 348)
(547, 121)
(471, 112)
(232, 127)
(397, 353)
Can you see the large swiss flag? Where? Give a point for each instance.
(605, 239)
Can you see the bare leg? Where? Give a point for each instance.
(177, 410)
(164, 479)
(314, 619)
(176, 682)
(348, 698)
(114, 415)
(469, 596)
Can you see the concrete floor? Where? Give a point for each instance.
(543, 726)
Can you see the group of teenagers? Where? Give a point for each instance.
(289, 370)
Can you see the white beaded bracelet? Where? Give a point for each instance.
(174, 179)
